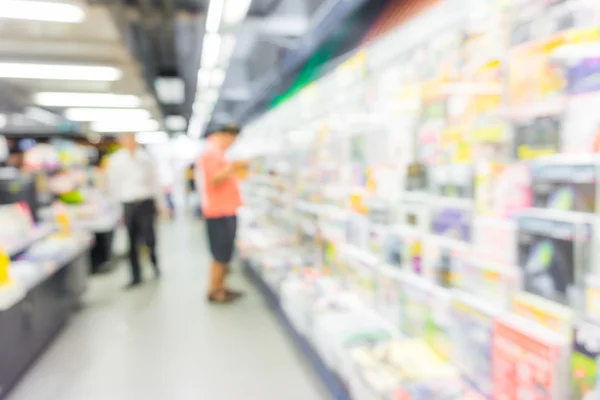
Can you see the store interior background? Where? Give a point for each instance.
(420, 218)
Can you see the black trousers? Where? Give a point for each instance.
(139, 220)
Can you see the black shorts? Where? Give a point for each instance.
(221, 237)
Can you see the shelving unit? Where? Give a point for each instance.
(450, 175)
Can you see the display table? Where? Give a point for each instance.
(31, 319)
(329, 378)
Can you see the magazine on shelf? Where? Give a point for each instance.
(390, 296)
(529, 360)
(566, 183)
(471, 339)
(439, 323)
(585, 361)
(592, 296)
(501, 190)
(415, 212)
(416, 308)
(581, 124)
(553, 253)
(452, 218)
(549, 314)
(442, 259)
(361, 268)
(494, 282)
(452, 180)
(403, 249)
(495, 240)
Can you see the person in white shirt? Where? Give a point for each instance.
(133, 181)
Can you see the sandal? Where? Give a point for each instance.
(235, 293)
(226, 297)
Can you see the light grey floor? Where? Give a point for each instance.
(163, 342)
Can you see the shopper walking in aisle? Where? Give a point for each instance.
(133, 181)
(220, 202)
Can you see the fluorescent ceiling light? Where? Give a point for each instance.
(235, 11)
(217, 78)
(175, 122)
(170, 90)
(64, 99)
(125, 126)
(196, 126)
(207, 96)
(42, 116)
(213, 19)
(41, 11)
(210, 50)
(59, 72)
(151, 137)
(203, 77)
(227, 47)
(98, 114)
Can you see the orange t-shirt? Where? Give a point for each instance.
(218, 200)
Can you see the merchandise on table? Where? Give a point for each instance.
(530, 361)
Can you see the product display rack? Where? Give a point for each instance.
(451, 165)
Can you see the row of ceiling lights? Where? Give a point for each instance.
(217, 49)
(106, 112)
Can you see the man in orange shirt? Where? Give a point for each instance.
(220, 202)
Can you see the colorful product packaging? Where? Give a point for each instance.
(585, 361)
(529, 361)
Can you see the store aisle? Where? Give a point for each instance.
(164, 342)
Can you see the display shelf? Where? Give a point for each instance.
(330, 380)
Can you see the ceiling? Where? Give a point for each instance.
(161, 41)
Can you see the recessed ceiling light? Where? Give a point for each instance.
(235, 11)
(210, 50)
(175, 122)
(125, 126)
(64, 99)
(41, 11)
(98, 114)
(64, 72)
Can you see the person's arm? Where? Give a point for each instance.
(215, 170)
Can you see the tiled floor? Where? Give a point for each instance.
(163, 342)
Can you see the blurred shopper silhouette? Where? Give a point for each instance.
(133, 181)
(220, 202)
